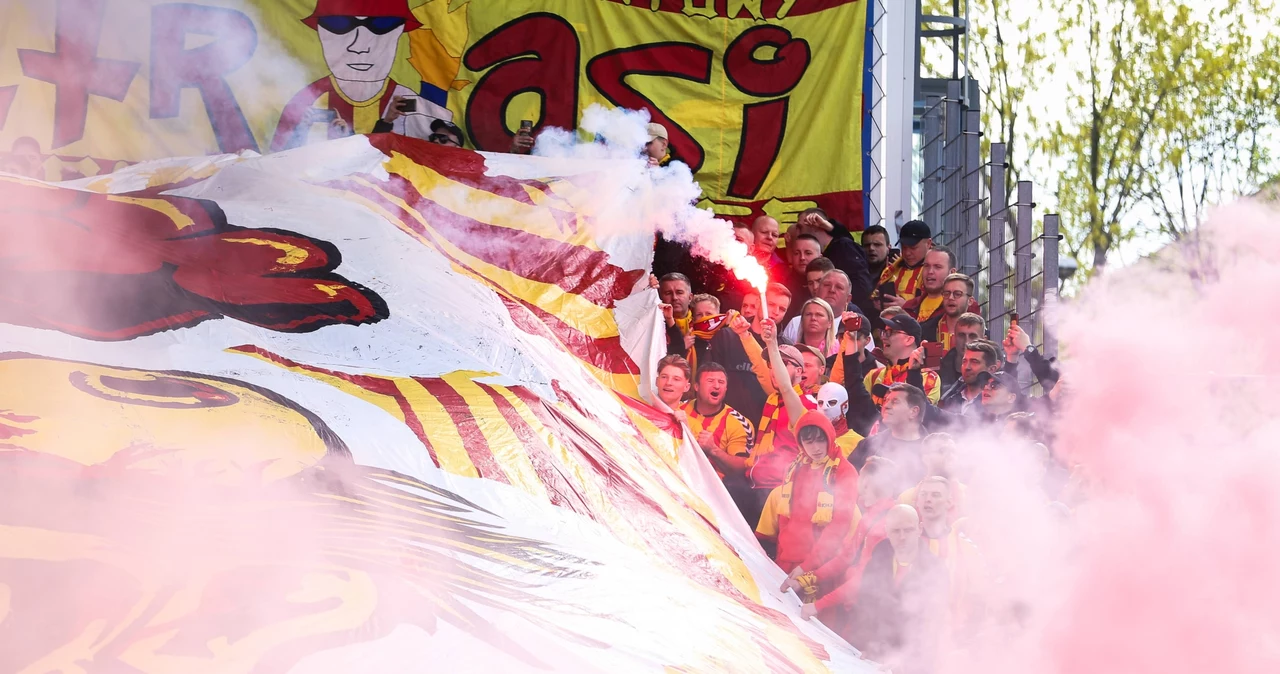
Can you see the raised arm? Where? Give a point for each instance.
(781, 377)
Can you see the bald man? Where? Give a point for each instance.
(901, 607)
(764, 232)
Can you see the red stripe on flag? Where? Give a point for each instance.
(559, 486)
(376, 385)
(473, 440)
(605, 354)
(574, 269)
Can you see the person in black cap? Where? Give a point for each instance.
(1001, 397)
(444, 132)
(903, 280)
(901, 345)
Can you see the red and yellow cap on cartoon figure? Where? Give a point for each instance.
(367, 8)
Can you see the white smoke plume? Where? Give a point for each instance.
(668, 195)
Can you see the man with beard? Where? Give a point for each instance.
(957, 300)
(902, 349)
(968, 328)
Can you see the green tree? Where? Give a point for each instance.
(1169, 107)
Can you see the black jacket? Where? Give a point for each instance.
(850, 258)
(744, 393)
(901, 617)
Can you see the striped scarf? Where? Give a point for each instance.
(705, 329)
(909, 281)
(823, 513)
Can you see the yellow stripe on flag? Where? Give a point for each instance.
(575, 311)
(439, 428)
(504, 445)
(484, 206)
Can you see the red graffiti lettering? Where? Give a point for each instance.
(74, 68)
(174, 68)
(608, 73)
(763, 124)
(535, 53)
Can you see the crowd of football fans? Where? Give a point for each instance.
(837, 408)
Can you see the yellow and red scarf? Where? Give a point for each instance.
(908, 280)
(705, 329)
(825, 509)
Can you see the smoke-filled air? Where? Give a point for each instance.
(363, 337)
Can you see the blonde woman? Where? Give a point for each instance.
(818, 327)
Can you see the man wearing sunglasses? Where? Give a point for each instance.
(359, 39)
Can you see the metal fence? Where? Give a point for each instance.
(965, 204)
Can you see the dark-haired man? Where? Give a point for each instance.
(957, 300)
(801, 250)
(723, 434)
(980, 360)
(969, 327)
(939, 267)
(901, 433)
(875, 244)
(905, 276)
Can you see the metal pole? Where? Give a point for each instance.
(932, 150)
(1022, 254)
(1049, 284)
(972, 183)
(951, 172)
(997, 224)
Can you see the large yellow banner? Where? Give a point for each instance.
(761, 98)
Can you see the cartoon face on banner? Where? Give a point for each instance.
(360, 37)
(734, 84)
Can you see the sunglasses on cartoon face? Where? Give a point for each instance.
(443, 139)
(378, 25)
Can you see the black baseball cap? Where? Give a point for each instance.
(914, 232)
(1007, 381)
(906, 324)
(450, 127)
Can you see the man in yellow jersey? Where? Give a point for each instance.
(957, 300)
(942, 537)
(939, 263)
(359, 39)
(725, 435)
